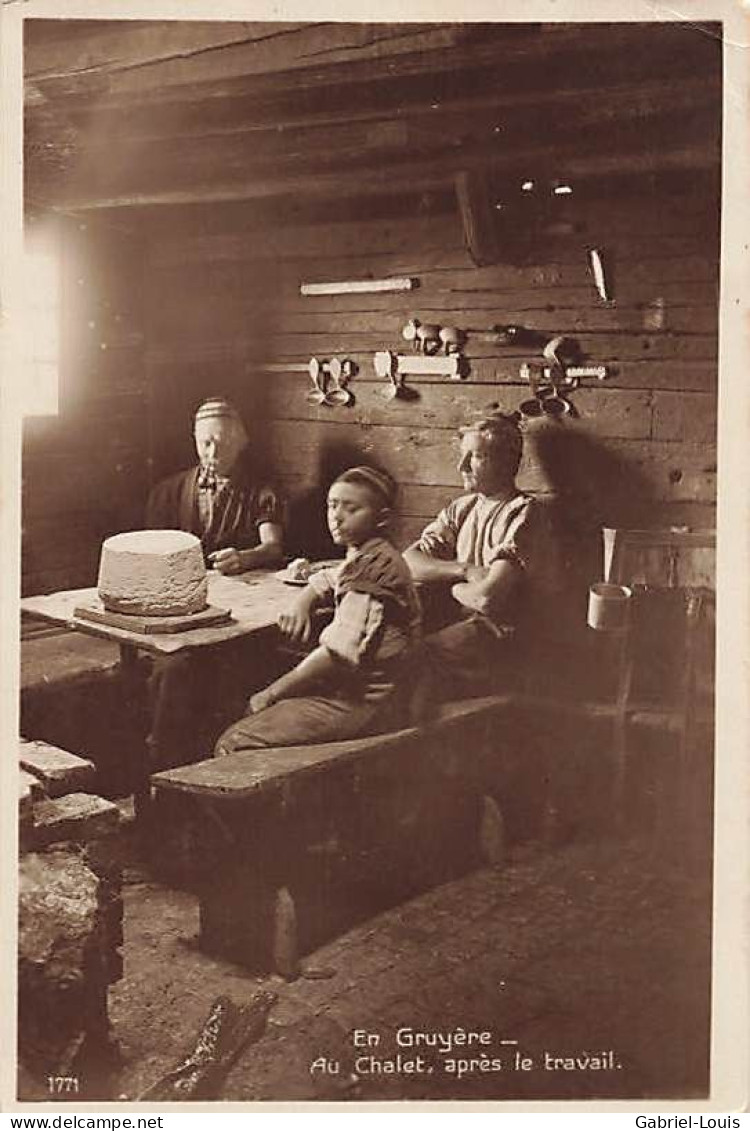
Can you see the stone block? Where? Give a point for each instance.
(33, 785)
(67, 957)
(25, 798)
(59, 771)
(79, 817)
(26, 786)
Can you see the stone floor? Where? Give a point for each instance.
(598, 949)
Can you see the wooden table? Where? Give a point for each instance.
(255, 600)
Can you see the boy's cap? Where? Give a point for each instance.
(217, 406)
(380, 481)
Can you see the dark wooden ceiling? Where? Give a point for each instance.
(356, 119)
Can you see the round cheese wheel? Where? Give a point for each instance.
(153, 573)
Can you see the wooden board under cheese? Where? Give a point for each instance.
(137, 623)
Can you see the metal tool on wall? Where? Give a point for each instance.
(552, 384)
(397, 389)
(359, 286)
(508, 334)
(513, 335)
(396, 367)
(330, 378)
(329, 381)
(549, 397)
(602, 270)
(429, 338)
(599, 372)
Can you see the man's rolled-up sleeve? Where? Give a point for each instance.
(438, 539)
(525, 540)
(269, 507)
(353, 633)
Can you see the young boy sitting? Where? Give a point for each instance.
(347, 685)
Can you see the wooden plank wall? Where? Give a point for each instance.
(85, 470)
(225, 297)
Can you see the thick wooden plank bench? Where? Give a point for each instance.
(59, 656)
(288, 847)
(71, 695)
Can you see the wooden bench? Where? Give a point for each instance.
(288, 847)
(71, 696)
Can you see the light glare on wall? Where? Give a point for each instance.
(41, 331)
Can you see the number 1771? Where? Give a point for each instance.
(58, 1085)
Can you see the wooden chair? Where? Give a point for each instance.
(673, 570)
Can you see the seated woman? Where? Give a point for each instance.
(347, 686)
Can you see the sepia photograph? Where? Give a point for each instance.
(368, 559)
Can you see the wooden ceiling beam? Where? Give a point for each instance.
(58, 48)
(410, 179)
(53, 143)
(588, 105)
(123, 131)
(270, 68)
(272, 50)
(401, 144)
(275, 212)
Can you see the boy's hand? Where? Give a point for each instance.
(296, 625)
(297, 622)
(259, 701)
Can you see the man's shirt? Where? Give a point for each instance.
(480, 531)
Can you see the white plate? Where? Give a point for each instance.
(283, 574)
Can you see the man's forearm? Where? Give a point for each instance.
(490, 594)
(264, 556)
(472, 597)
(309, 672)
(425, 568)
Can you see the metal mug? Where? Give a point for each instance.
(609, 607)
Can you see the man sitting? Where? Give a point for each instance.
(238, 518)
(495, 550)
